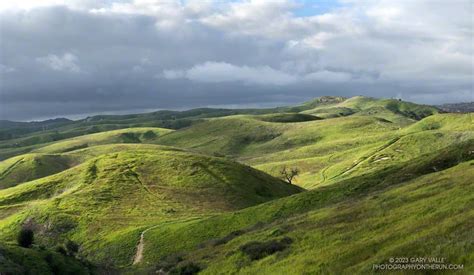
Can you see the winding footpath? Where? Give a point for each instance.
(141, 245)
(361, 160)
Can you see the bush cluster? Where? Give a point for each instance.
(259, 250)
(25, 237)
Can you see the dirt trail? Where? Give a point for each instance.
(323, 171)
(9, 169)
(141, 245)
(361, 160)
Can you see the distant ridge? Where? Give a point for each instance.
(9, 123)
(463, 107)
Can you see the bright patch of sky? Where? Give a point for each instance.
(312, 8)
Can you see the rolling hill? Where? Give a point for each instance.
(108, 200)
(378, 178)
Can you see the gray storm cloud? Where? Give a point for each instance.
(70, 58)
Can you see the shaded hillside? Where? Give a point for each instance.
(31, 166)
(12, 129)
(19, 260)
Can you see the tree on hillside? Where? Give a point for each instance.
(25, 237)
(289, 174)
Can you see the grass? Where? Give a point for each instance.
(18, 260)
(108, 200)
(31, 166)
(349, 189)
(323, 150)
(342, 228)
(385, 178)
(53, 158)
(420, 218)
(130, 135)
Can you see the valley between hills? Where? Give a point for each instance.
(200, 191)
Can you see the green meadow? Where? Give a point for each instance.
(201, 190)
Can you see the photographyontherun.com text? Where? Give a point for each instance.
(417, 263)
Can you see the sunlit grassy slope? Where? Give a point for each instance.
(21, 137)
(430, 216)
(105, 202)
(130, 135)
(385, 178)
(327, 150)
(424, 207)
(51, 158)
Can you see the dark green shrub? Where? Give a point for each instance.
(187, 269)
(168, 262)
(25, 237)
(149, 135)
(61, 249)
(431, 126)
(72, 248)
(259, 250)
(52, 263)
(228, 238)
(129, 138)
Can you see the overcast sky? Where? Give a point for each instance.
(74, 58)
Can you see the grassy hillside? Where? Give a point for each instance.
(106, 202)
(130, 135)
(21, 137)
(430, 216)
(18, 260)
(384, 178)
(31, 166)
(393, 110)
(249, 136)
(345, 227)
(324, 150)
(50, 159)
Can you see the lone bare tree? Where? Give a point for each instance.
(289, 174)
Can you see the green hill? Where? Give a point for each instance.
(18, 260)
(20, 137)
(48, 160)
(106, 202)
(324, 150)
(130, 135)
(31, 166)
(382, 179)
(393, 110)
(15, 147)
(428, 216)
(404, 212)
